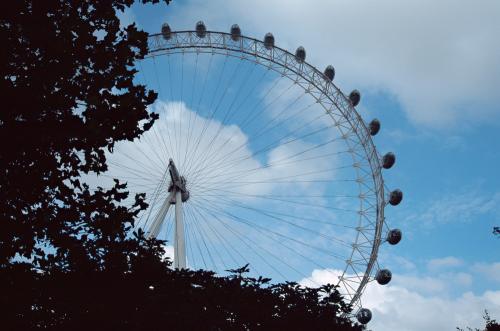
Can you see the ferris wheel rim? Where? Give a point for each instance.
(189, 42)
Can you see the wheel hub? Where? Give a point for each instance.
(177, 183)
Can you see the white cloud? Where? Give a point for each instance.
(440, 59)
(419, 303)
(434, 283)
(401, 308)
(322, 276)
(490, 271)
(420, 284)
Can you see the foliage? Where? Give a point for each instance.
(68, 75)
(152, 296)
(491, 324)
(67, 257)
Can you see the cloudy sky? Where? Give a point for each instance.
(430, 72)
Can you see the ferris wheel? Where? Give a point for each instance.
(258, 158)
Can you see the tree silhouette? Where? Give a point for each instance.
(491, 324)
(68, 75)
(152, 296)
(68, 259)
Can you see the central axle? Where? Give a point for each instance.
(177, 183)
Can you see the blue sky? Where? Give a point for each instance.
(431, 73)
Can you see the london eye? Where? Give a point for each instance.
(259, 158)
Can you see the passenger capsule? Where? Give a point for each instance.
(374, 126)
(364, 315)
(300, 54)
(235, 32)
(355, 97)
(388, 160)
(166, 31)
(395, 197)
(329, 72)
(269, 40)
(201, 29)
(394, 236)
(383, 276)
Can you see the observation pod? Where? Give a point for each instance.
(166, 32)
(374, 126)
(383, 276)
(395, 197)
(329, 72)
(235, 32)
(201, 29)
(364, 315)
(300, 54)
(388, 160)
(269, 40)
(355, 97)
(394, 236)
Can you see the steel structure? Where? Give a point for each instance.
(339, 107)
(178, 195)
